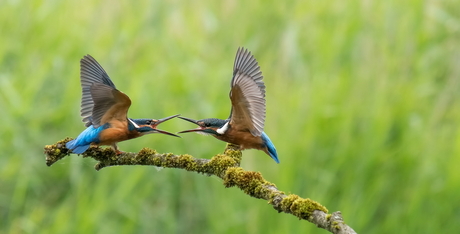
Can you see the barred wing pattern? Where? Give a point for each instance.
(91, 73)
(99, 94)
(247, 94)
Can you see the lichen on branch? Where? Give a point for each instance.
(225, 166)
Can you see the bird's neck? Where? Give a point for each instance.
(223, 129)
(132, 125)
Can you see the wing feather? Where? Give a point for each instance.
(91, 72)
(109, 103)
(247, 94)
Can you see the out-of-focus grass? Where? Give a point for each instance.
(362, 104)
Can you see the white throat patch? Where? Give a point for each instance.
(204, 133)
(223, 129)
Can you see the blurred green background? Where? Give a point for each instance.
(362, 104)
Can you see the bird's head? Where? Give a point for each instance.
(147, 126)
(210, 126)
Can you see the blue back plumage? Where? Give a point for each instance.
(270, 146)
(83, 141)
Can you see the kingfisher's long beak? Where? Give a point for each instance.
(199, 129)
(190, 120)
(155, 124)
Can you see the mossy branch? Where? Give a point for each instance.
(224, 166)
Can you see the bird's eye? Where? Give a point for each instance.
(148, 122)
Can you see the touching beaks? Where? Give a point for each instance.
(199, 129)
(159, 121)
(155, 124)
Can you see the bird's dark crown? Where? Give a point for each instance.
(212, 122)
(142, 121)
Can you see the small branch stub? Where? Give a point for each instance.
(225, 166)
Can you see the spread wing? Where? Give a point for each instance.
(109, 103)
(91, 72)
(247, 94)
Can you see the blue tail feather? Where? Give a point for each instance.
(270, 146)
(84, 140)
(76, 149)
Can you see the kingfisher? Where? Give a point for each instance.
(104, 111)
(245, 125)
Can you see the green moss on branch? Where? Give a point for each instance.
(224, 166)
